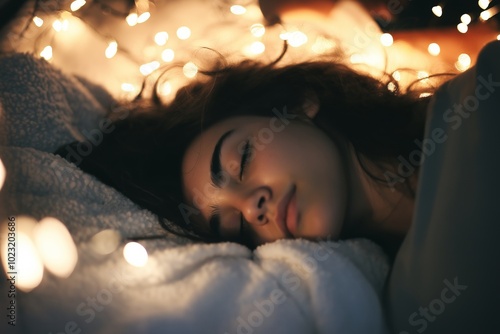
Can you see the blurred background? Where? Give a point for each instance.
(118, 43)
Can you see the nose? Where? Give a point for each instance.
(254, 207)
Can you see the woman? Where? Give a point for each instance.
(255, 152)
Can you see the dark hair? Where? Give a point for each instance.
(142, 156)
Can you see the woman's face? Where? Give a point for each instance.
(264, 179)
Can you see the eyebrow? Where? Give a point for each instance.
(216, 177)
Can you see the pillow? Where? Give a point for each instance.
(445, 276)
(289, 286)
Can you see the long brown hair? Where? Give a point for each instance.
(141, 157)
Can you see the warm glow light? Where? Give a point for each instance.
(29, 265)
(256, 48)
(424, 95)
(106, 241)
(143, 17)
(422, 74)
(190, 70)
(25, 262)
(466, 19)
(132, 19)
(38, 21)
(238, 10)
(462, 27)
(357, 58)
(58, 25)
(128, 87)
(322, 45)
(463, 63)
(484, 3)
(434, 49)
(46, 53)
(183, 32)
(77, 4)
(498, 37)
(257, 30)
(437, 10)
(391, 86)
(2, 174)
(386, 39)
(135, 254)
(168, 55)
(111, 49)
(161, 38)
(488, 14)
(396, 75)
(296, 39)
(165, 88)
(55, 247)
(149, 68)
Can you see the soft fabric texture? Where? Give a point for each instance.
(446, 274)
(289, 286)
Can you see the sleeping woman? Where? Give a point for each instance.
(255, 152)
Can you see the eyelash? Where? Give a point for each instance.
(247, 151)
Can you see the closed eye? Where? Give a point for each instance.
(247, 150)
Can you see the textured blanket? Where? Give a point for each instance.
(288, 286)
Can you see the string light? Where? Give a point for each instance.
(77, 4)
(466, 19)
(463, 63)
(149, 68)
(161, 38)
(462, 28)
(489, 13)
(111, 49)
(322, 45)
(128, 87)
(59, 25)
(143, 17)
(46, 53)
(165, 88)
(38, 21)
(422, 75)
(190, 70)
(391, 86)
(437, 10)
(27, 264)
(135, 254)
(106, 241)
(484, 3)
(386, 39)
(257, 30)
(183, 33)
(131, 19)
(396, 75)
(167, 55)
(297, 38)
(55, 247)
(238, 10)
(434, 49)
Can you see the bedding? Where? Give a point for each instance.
(446, 273)
(288, 286)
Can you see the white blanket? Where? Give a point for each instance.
(288, 286)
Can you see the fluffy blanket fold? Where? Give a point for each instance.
(288, 286)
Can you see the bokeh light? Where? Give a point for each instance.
(135, 254)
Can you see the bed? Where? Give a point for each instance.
(289, 286)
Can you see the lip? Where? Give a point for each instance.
(287, 213)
